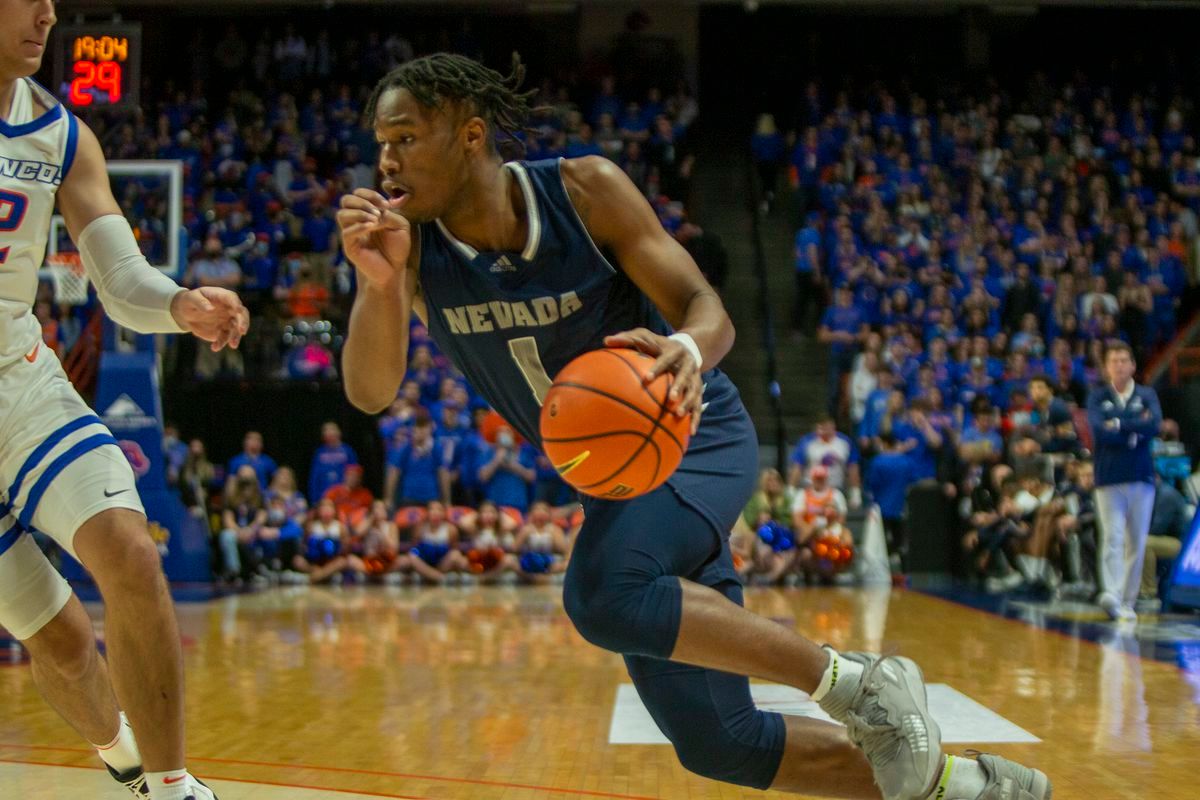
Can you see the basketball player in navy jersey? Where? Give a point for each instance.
(517, 268)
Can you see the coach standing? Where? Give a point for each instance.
(1124, 418)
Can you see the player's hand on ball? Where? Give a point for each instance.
(212, 314)
(687, 390)
(375, 237)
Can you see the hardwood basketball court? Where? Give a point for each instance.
(489, 694)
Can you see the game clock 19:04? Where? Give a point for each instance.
(98, 64)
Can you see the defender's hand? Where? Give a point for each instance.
(687, 390)
(375, 237)
(212, 314)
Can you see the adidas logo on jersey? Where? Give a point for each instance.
(502, 264)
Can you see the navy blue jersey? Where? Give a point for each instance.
(511, 320)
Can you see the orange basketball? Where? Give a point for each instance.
(608, 434)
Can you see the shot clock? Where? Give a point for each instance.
(98, 64)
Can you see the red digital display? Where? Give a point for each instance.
(104, 76)
(98, 64)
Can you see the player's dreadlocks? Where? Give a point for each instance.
(442, 77)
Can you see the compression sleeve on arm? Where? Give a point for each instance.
(134, 293)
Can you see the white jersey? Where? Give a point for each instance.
(37, 147)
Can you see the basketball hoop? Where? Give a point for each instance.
(69, 280)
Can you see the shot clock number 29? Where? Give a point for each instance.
(99, 64)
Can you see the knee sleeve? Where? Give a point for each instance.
(631, 616)
(741, 753)
(712, 722)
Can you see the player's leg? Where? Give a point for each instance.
(71, 675)
(38, 608)
(623, 593)
(711, 720)
(141, 633)
(86, 498)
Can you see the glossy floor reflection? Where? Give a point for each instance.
(489, 694)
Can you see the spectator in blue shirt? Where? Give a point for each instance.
(507, 471)
(888, 477)
(412, 471)
(175, 452)
(876, 408)
(768, 149)
(329, 462)
(319, 228)
(469, 461)
(450, 433)
(919, 439)
(808, 273)
(583, 143)
(252, 455)
(842, 327)
(806, 161)
(981, 442)
(1051, 422)
(606, 101)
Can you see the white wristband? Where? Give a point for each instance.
(687, 341)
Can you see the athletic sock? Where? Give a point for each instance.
(839, 672)
(173, 785)
(122, 752)
(961, 779)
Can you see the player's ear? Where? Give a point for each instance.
(475, 134)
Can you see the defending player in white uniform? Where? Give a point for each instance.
(60, 469)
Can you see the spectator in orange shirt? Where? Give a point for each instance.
(307, 298)
(350, 496)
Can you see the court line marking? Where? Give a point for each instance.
(353, 771)
(233, 780)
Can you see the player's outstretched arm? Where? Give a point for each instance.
(619, 219)
(378, 242)
(134, 293)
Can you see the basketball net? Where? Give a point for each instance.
(67, 275)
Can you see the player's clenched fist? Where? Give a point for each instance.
(375, 237)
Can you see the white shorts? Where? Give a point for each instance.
(59, 467)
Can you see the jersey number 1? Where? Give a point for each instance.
(525, 353)
(12, 214)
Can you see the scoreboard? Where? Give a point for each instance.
(98, 64)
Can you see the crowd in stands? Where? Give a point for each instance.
(976, 254)
(460, 499)
(270, 136)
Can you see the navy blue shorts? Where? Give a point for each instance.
(622, 589)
